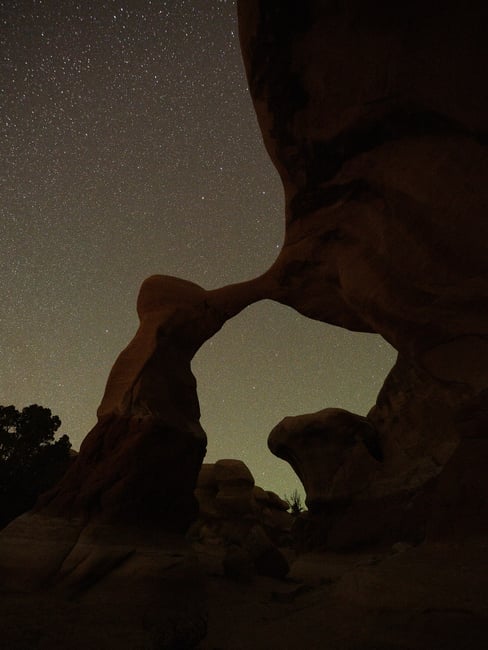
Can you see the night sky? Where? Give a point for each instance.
(130, 147)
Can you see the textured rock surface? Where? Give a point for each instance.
(379, 134)
(140, 462)
(333, 452)
(431, 596)
(231, 505)
(68, 585)
(376, 116)
(117, 516)
(417, 423)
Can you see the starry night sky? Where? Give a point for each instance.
(130, 147)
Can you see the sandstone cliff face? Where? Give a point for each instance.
(376, 117)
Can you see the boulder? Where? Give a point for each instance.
(268, 559)
(378, 134)
(234, 487)
(230, 505)
(332, 451)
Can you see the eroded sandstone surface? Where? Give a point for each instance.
(140, 463)
(378, 131)
(376, 116)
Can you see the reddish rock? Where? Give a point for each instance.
(141, 461)
(332, 451)
(379, 136)
(234, 487)
(231, 505)
(267, 558)
(378, 133)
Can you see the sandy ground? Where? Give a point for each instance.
(433, 597)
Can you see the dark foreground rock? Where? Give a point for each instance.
(66, 585)
(406, 598)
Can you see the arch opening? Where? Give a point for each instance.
(269, 362)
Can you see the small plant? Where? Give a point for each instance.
(295, 502)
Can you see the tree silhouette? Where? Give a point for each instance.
(31, 459)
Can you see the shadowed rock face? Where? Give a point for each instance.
(379, 134)
(231, 505)
(333, 452)
(378, 131)
(140, 463)
(376, 116)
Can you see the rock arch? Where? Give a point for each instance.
(376, 117)
(385, 180)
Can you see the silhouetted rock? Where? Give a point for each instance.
(234, 487)
(140, 463)
(379, 136)
(244, 518)
(231, 505)
(332, 451)
(238, 564)
(267, 558)
(375, 114)
(270, 499)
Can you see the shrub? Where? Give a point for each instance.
(31, 459)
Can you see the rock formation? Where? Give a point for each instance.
(140, 463)
(376, 116)
(117, 516)
(249, 521)
(333, 452)
(379, 135)
(231, 505)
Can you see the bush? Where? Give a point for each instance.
(31, 459)
(295, 503)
